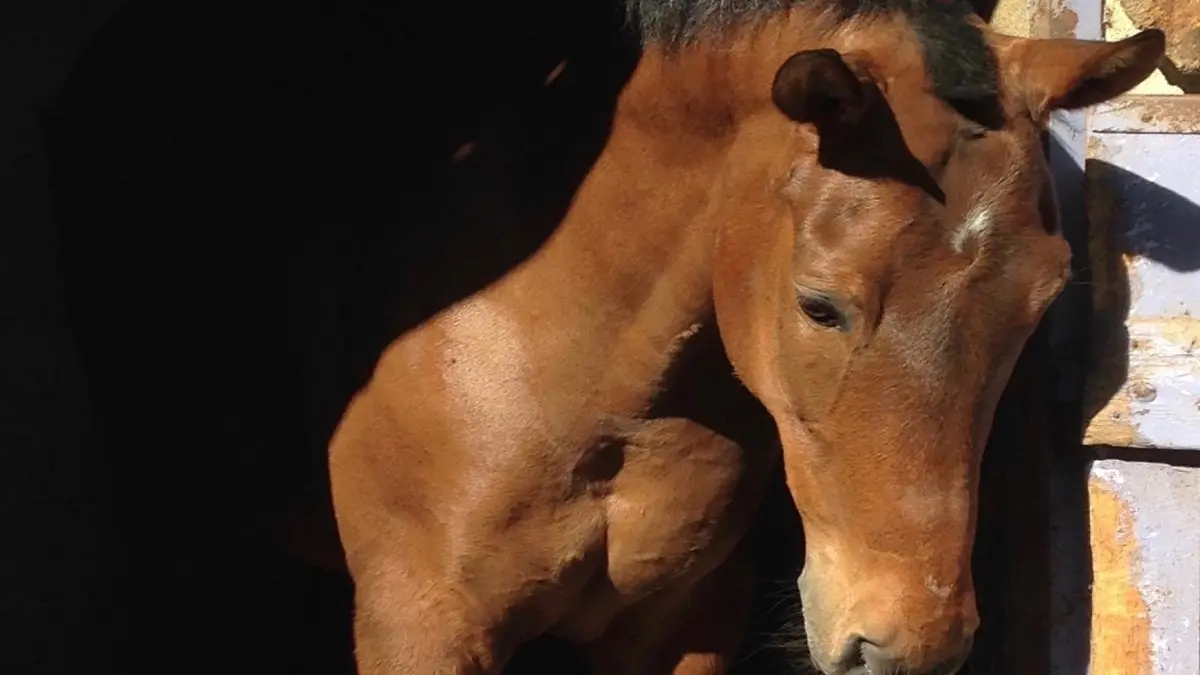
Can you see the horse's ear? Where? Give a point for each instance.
(817, 87)
(1068, 74)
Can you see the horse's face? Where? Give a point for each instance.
(876, 301)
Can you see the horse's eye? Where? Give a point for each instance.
(822, 313)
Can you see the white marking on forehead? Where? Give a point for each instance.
(978, 221)
(983, 213)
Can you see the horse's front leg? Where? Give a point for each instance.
(695, 629)
(407, 625)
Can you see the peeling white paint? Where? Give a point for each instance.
(1110, 475)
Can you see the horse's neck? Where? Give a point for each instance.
(628, 273)
(639, 230)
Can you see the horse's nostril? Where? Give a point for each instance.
(874, 659)
(849, 658)
(860, 653)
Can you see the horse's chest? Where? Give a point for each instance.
(681, 497)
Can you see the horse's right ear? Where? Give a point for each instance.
(816, 86)
(1066, 74)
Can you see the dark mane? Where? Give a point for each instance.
(958, 58)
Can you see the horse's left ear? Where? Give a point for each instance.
(1068, 74)
(817, 87)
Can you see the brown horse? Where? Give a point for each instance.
(832, 223)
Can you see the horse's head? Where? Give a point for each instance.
(887, 247)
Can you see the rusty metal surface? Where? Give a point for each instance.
(1143, 201)
(1145, 532)
(1148, 115)
(1120, 618)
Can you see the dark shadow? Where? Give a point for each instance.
(1188, 82)
(1012, 581)
(1149, 455)
(61, 600)
(1070, 559)
(876, 149)
(1066, 623)
(774, 643)
(60, 603)
(985, 8)
(251, 200)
